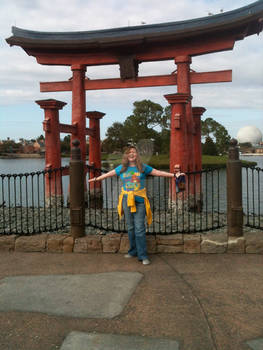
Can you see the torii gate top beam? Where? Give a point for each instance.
(132, 45)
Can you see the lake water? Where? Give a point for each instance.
(250, 182)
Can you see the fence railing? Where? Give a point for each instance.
(253, 196)
(201, 207)
(31, 203)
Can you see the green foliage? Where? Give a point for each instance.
(209, 147)
(9, 146)
(142, 125)
(214, 130)
(150, 121)
(65, 145)
(115, 139)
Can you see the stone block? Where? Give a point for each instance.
(254, 242)
(214, 243)
(125, 244)
(94, 244)
(80, 245)
(55, 243)
(170, 249)
(236, 245)
(36, 243)
(176, 239)
(111, 243)
(151, 244)
(192, 244)
(7, 243)
(68, 244)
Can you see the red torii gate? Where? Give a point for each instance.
(128, 47)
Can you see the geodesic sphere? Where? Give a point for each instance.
(249, 134)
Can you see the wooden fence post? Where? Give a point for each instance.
(77, 197)
(234, 191)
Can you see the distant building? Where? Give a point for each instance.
(249, 134)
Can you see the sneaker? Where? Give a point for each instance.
(146, 262)
(127, 256)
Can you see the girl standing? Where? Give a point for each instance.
(133, 199)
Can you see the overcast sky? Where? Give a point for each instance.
(234, 104)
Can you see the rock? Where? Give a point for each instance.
(254, 242)
(94, 244)
(192, 244)
(214, 243)
(68, 244)
(111, 243)
(88, 244)
(7, 243)
(176, 239)
(55, 243)
(236, 245)
(36, 243)
(80, 245)
(125, 244)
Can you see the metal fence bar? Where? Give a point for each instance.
(25, 210)
(23, 206)
(168, 217)
(253, 197)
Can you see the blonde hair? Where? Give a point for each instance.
(125, 161)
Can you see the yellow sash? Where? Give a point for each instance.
(131, 202)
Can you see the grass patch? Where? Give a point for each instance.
(162, 161)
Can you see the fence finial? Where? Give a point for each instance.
(233, 151)
(75, 150)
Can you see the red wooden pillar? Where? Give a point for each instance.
(184, 87)
(94, 139)
(53, 181)
(197, 113)
(178, 137)
(79, 106)
(95, 156)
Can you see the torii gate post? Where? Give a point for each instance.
(178, 141)
(95, 156)
(79, 107)
(51, 126)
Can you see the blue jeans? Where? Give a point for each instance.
(136, 229)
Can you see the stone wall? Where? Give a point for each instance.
(210, 243)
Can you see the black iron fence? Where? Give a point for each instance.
(31, 203)
(201, 207)
(253, 196)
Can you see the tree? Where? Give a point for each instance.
(115, 139)
(209, 147)
(65, 145)
(138, 127)
(216, 131)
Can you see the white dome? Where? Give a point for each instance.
(249, 134)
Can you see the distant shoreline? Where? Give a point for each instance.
(252, 154)
(21, 155)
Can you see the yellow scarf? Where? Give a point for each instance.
(131, 202)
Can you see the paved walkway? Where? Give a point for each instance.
(94, 302)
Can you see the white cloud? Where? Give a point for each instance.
(21, 74)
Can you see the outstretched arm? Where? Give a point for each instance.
(156, 172)
(104, 176)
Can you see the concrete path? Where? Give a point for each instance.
(91, 341)
(194, 302)
(102, 295)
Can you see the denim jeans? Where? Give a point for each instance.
(136, 229)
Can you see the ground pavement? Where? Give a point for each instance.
(104, 301)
